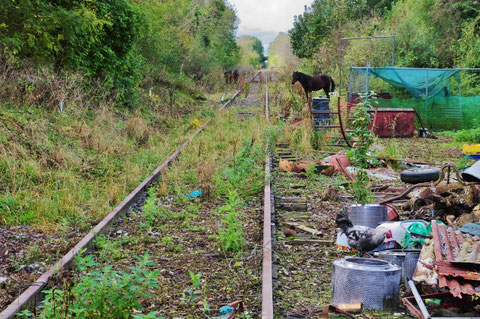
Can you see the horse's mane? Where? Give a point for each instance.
(303, 75)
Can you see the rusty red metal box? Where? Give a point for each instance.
(393, 122)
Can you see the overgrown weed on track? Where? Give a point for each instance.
(62, 173)
(183, 235)
(217, 242)
(97, 291)
(225, 156)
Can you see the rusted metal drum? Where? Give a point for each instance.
(393, 122)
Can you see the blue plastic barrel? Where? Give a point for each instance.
(320, 104)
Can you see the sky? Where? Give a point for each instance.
(264, 19)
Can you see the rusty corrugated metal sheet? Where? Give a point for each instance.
(454, 263)
(455, 247)
(457, 288)
(446, 268)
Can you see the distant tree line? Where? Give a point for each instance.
(280, 53)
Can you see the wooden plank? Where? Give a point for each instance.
(351, 307)
(292, 199)
(300, 241)
(304, 228)
(292, 208)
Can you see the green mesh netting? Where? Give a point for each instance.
(453, 112)
(431, 98)
(418, 82)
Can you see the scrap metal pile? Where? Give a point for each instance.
(455, 204)
(434, 247)
(443, 219)
(450, 260)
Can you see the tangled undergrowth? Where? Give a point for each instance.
(74, 167)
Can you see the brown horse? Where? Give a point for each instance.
(231, 76)
(314, 83)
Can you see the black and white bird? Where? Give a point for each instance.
(361, 238)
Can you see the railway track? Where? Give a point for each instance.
(33, 294)
(303, 243)
(298, 240)
(276, 277)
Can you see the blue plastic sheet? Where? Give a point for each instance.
(195, 193)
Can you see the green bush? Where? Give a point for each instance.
(472, 135)
(123, 44)
(102, 292)
(96, 37)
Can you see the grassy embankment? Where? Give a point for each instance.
(75, 166)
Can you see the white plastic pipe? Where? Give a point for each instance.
(419, 300)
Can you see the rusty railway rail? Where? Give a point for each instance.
(267, 267)
(32, 295)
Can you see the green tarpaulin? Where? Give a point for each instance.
(420, 83)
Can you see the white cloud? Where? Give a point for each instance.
(267, 15)
(264, 19)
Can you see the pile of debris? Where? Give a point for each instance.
(448, 267)
(455, 204)
(450, 260)
(449, 263)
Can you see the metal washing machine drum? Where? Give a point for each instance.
(371, 282)
(405, 258)
(370, 215)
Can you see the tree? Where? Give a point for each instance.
(251, 51)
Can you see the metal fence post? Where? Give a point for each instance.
(350, 83)
(393, 51)
(426, 98)
(367, 81)
(340, 69)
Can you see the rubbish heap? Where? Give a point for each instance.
(450, 260)
(436, 251)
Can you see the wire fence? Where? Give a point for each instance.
(451, 105)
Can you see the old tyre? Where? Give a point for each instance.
(420, 175)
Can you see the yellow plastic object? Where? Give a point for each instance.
(471, 150)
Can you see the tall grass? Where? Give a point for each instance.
(227, 155)
(226, 163)
(73, 167)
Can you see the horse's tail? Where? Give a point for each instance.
(333, 85)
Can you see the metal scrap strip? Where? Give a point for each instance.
(445, 242)
(437, 246)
